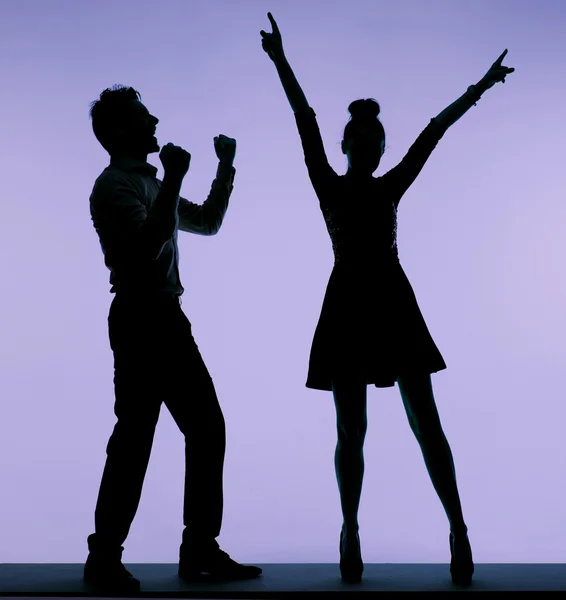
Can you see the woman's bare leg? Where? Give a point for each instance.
(418, 399)
(350, 399)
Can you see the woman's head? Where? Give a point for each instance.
(364, 136)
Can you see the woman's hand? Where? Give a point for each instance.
(272, 42)
(497, 72)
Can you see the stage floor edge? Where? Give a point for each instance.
(160, 580)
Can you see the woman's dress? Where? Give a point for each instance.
(370, 322)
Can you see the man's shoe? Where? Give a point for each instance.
(213, 564)
(106, 573)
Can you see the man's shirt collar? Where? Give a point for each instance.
(126, 163)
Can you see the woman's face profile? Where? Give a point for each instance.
(364, 148)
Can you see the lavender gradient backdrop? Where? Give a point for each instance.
(481, 237)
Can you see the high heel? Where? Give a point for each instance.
(351, 564)
(461, 562)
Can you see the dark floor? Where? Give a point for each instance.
(282, 580)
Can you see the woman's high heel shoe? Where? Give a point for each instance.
(461, 563)
(351, 564)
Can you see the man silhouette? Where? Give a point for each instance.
(156, 359)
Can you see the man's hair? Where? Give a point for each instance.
(109, 111)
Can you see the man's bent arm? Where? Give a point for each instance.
(207, 218)
(123, 222)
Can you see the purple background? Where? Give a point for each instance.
(481, 237)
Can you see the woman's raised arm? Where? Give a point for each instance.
(400, 178)
(497, 72)
(273, 46)
(321, 174)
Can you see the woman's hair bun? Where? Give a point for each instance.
(364, 109)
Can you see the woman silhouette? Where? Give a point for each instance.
(371, 330)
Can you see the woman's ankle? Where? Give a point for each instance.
(350, 528)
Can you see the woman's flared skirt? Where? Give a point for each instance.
(370, 324)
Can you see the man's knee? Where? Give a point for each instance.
(205, 425)
(133, 432)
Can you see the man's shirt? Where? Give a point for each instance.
(138, 237)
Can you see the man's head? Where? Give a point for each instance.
(122, 124)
